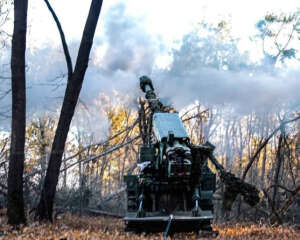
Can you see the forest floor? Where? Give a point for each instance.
(71, 227)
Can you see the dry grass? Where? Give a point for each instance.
(71, 227)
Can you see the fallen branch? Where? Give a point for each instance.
(61, 210)
(85, 160)
(102, 213)
(103, 142)
(195, 116)
(85, 148)
(112, 195)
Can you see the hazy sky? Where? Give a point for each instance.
(134, 35)
(169, 19)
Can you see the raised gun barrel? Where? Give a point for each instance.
(147, 87)
(146, 84)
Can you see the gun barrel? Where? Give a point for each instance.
(146, 84)
(147, 87)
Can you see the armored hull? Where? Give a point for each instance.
(179, 222)
(174, 188)
(164, 203)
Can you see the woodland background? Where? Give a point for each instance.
(253, 119)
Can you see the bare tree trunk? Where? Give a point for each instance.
(75, 80)
(101, 174)
(227, 147)
(80, 183)
(123, 165)
(42, 147)
(241, 147)
(109, 185)
(15, 207)
(65, 175)
(264, 143)
(263, 167)
(279, 161)
(297, 148)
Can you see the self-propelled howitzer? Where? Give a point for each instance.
(174, 188)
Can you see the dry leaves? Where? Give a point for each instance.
(71, 227)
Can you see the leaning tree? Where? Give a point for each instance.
(74, 84)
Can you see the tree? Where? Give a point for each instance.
(206, 46)
(74, 84)
(5, 8)
(277, 33)
(15, 207)
(39, 133)
(5, 90)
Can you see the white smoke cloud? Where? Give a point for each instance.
(203, 68)
(241, 90)
(217, 73)
(124, 52)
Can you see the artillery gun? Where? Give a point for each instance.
(173, 190)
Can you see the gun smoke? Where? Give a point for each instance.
(126, 51)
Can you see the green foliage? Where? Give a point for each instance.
(279, 35)
(288, 53)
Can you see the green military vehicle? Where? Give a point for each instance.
(173, 191)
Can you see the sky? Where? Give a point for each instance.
(137, 37)
(167, 21)
(169, 18)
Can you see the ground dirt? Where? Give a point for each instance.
(71, 227)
